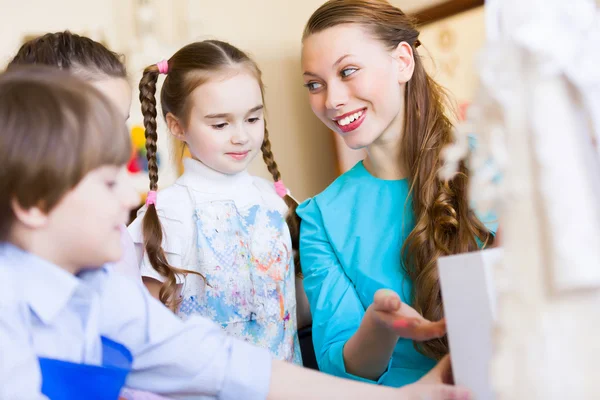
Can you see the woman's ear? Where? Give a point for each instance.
(405, 61)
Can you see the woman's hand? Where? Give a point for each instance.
(420, 391)
(437, 385)
(441, 373)
(388, 310)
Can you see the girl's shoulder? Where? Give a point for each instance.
(175, 211)
(173, 202)
(264, 185)
(269, 194)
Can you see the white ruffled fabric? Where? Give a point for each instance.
(540, 65)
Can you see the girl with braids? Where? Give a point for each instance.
(370, 242)
(103, 69)
(216, 243)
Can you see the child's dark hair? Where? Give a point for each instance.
(54, 129)
(80, 55)
(189, 68)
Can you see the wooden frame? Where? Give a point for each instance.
(445, 10)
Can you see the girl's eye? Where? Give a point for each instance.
(253, 120)
(312, 86)
(346, 72)
(220, 126)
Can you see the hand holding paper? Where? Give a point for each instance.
(441, 373)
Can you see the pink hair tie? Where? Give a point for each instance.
(151, 198)
(163, 67)
(281, 189)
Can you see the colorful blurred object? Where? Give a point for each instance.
(462, 111)
(138, 162)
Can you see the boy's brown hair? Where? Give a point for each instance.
(54, 129)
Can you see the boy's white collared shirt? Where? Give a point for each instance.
(47, 312)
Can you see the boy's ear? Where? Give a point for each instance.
(32, 217)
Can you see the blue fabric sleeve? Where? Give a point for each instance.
(335, 306)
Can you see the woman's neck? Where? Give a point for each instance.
(383, 161)
(384, 155)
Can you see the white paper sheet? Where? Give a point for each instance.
(469, 297)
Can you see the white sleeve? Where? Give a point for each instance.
(129, 264)
(20, 375)
(175, 243)
(181, 359)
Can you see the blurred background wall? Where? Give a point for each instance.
(146, 31)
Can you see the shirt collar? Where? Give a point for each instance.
(201, 177)
(46, 287)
